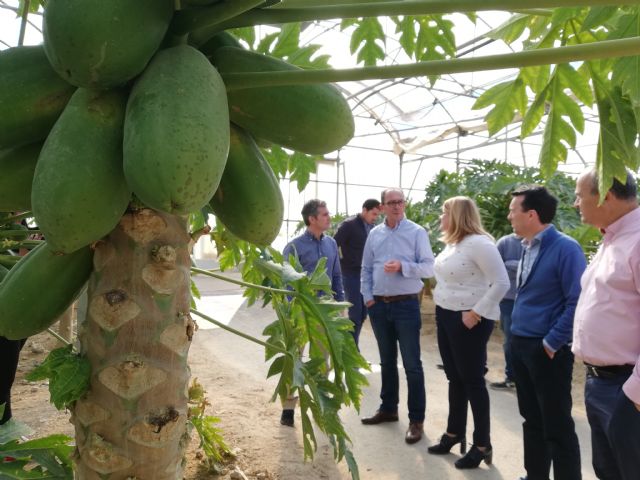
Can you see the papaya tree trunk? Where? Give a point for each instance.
(137, 332)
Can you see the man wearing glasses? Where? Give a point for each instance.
(397, 255)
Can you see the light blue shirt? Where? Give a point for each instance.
(407, 242)
(531, 251)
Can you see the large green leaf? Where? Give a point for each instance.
(368, 39)
(508, 98)
(626, 70)
(68, 373)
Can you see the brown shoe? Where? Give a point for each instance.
(414, 433)
(380, 417)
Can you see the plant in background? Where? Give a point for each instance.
(489, 183)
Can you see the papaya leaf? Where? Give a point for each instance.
(557, 133)
(536, 77)
(12, 429)
(534, 114)
(51, 455)
(598, 16)
(435, 39)
(406, 27)
(278, 160)
(288, 40)
(510, 30)
(626, 69)
(302, 57)
(68, 375)
(301, 167)
(265, 44)
(508, 97)
(368, 39)
(248, 34)
(562, 15)
(577, 82)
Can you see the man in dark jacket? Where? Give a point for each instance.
(351, 237)
(548, 287)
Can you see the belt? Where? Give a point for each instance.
(609, 371)
(395, 298)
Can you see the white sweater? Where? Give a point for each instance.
(470, 275)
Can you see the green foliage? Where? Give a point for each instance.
(329, 376)
(298, 165)
(68, 374)
(489, 183)
(367, 39)
(562, 93)
(43, 458)
(285, 44)
(211, 439)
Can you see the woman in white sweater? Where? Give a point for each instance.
(471, 280)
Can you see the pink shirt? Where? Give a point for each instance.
(606, 329)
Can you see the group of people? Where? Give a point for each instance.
(550, 304)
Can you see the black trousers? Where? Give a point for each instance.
(464, 356)
(9, 354)
(543, 386)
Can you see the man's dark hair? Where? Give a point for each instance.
(310, 209)
(370, 204)
(538, 198)
(622, 191)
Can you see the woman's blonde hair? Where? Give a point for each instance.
(464, 219)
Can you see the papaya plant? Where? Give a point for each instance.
(101, 88)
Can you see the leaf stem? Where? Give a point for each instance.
(239, 333)
(544, 56)
(185, 21)
(242, 283)
(15, 218)
(58, 336)
(390, 8)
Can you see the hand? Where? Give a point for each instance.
(470, 319)
(637, 406)
(549, 353)
(369, 303)
(392, 266)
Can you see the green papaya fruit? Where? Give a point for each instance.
(220, 39)
(79, 191)
(176, 133)
(103, 44)
(314, 119)
(32, 96)
(248, 201)
(39, 288)
(16, 176)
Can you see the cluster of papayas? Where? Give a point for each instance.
(111, 106)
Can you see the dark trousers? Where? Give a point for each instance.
(506, 307)
(399, 323)
(357, 310)
(464, 356)
(9, 354)
(615, 429)
(543, 387)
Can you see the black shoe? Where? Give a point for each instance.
(506, 385)
(446, 443)
(380, 417)
(286, 418)
(474, 457)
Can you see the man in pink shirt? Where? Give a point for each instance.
(606, 330)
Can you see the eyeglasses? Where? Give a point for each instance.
(394, 203)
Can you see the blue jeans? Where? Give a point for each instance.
(615, 429)
(357, 310)
(506, 307)
(543, 386)
(464, 356)
(399, 323)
